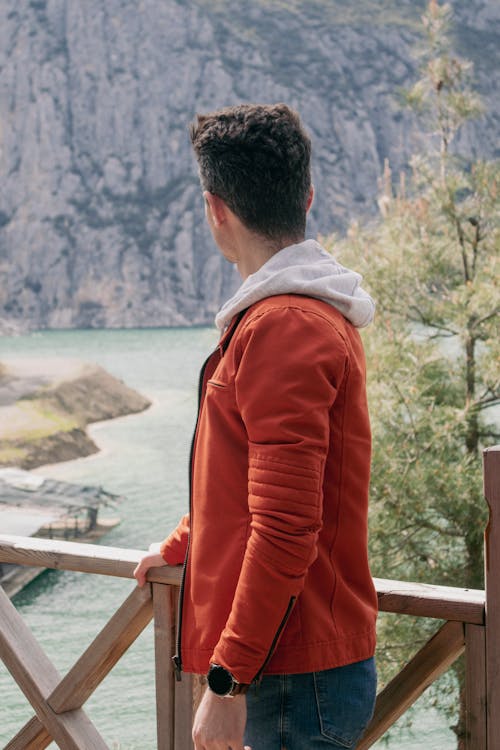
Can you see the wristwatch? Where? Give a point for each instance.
(222, 683)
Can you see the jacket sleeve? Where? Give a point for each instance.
(292, 362)
(173, 549)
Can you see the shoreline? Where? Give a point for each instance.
(46, 406)
(93, 430)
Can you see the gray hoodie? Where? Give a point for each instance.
(307, 269)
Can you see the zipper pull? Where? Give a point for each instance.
(177, 668)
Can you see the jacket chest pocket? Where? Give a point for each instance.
(220, 399)
(221, 430)
(220, 409)
(223, 375)
(212, 383)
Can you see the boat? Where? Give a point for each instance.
(32, 505)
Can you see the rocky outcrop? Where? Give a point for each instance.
(43, 416)
(101, 218)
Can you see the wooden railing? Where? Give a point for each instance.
(472, 625)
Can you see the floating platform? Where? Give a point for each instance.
(31, 505)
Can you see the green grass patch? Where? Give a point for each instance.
(45, 420)
(11, 455)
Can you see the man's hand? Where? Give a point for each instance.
(219, 723)
(151, 559)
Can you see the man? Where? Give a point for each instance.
(277, 591)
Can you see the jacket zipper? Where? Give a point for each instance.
(258, 676)
(177, 659)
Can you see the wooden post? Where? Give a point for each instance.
(199, 687)
(475, 686)
(183, 699)
(164, 619)
(491, 457)
(184, 712)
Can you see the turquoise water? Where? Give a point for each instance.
(143, 457)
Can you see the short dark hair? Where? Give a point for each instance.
(256, 158)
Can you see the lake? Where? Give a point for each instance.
(144, 458)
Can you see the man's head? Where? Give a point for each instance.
(256, 158)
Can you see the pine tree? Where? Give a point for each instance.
(431, 261)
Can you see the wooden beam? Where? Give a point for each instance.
(106, 649)
(33, 736)
(475, 687)
(427, 665)
(491, 458)
(37, 677)
(94, 664)
(164, 619)
(427, 600)
(87, 558)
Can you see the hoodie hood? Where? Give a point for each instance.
(307, 269)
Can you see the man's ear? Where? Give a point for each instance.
(216, 207)
(310, 198)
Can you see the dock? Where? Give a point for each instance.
(34, 506)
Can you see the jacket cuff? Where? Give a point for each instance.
(173, 549)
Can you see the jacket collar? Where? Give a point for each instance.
(229, 332)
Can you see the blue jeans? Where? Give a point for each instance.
(312, 711)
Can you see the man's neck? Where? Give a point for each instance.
(255, 250)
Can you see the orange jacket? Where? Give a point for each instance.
(276, 576)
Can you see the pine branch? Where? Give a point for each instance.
(491, 315)
(425, 320)
(410, 417)
(489, 397)
(489, 434)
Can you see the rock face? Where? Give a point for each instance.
(101, 217)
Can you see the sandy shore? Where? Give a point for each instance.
(46, 404)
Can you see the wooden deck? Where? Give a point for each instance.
(472, 625)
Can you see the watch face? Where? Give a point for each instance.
(220, 681)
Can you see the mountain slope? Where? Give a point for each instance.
(101, 217)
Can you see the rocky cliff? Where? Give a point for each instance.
(101, 218)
